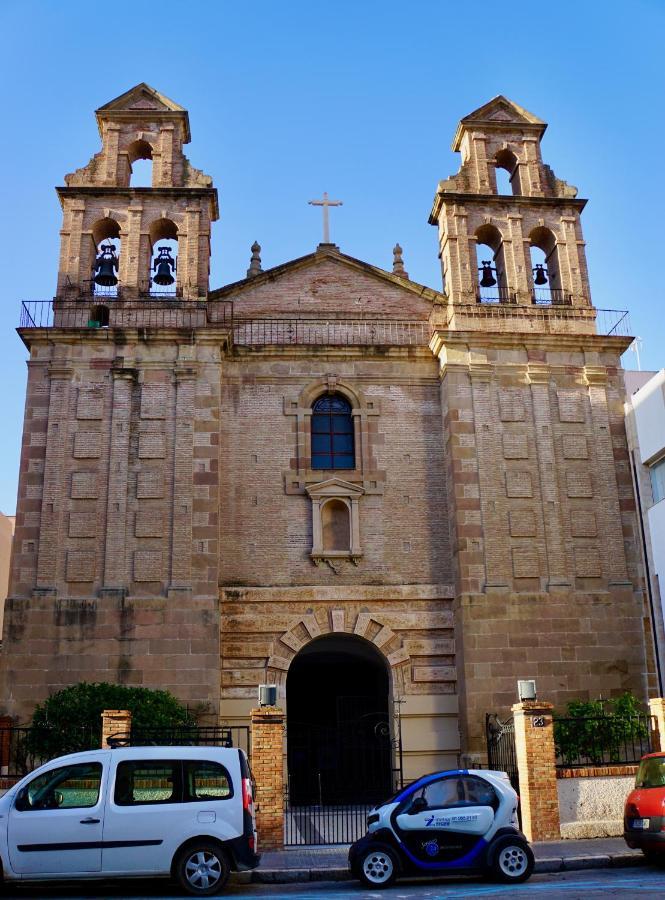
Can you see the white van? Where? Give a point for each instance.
(187, 812)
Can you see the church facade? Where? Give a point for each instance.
(389, 500)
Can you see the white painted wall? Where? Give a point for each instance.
(649, 406)
(593, 807)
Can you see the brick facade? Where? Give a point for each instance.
(164, 527)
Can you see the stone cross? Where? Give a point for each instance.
(325, 203)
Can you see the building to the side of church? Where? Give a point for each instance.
(388, 500)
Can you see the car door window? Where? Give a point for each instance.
(139, 782)
(206, 781)
(479, 792)
(68, 787)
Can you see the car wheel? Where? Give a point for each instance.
(512, 861)
(202, 869)
(377, 867)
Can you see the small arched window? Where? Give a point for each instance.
(332, 434)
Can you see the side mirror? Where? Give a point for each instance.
(418, 805)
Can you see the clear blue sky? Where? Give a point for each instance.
(361, 99)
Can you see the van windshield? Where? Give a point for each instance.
(651, 773)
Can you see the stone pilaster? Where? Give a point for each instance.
(536, 762)
(115, 551)
(181, 538)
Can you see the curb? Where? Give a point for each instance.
(542, 867)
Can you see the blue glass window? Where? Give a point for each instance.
(332, 434)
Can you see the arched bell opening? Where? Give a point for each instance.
(163, 235)
(106, 247)
(545, 274)
(507, 173)
(491, 286)
(339, 746)
(139, 155)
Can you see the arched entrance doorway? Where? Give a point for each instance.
(338, 725)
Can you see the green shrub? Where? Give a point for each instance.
(601, 731)
(70, 720)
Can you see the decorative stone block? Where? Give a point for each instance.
(575, 446)
(525, 562)
(148, 565)
(152, 445)
(154, 399)
(578, 483)
(90, 402)
(80, 565)
(434, 673)
(85, 485)
(511, 405)
(150, 484)
(571, 405)
(522, 523)
(518, 483)
(515, 446)
(583, 523)
(87, 444)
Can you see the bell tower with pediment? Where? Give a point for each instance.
(121, 241)
(509, 229)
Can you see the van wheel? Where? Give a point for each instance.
(513, 860)
(377, 867)
(202, 869)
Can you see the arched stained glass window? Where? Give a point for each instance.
(332, 434)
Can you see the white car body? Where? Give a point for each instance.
(107, 839)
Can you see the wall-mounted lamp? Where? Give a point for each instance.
(267, 695)
(526, 690)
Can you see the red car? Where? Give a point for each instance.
(644, 814)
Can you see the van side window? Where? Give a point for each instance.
(69, 787)
(206, 781)
(138, 782)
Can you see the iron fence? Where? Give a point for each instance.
(495, 294)
(501, 754)
(322, 825)
(147, 313)
(256, 332)
(548, 296)
(601, 740)
(24, 748)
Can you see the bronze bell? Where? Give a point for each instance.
(487, 279)
(106, 265)
(541, 276)
(164, 265)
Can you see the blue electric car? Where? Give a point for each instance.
(460, 822)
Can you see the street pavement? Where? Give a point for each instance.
(643, 882)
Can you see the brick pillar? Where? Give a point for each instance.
(115, 721)
(536, 762)
(268, 771)
(657, 710)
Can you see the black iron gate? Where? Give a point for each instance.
(501, 754)
(337, 773)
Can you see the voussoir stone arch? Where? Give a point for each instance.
(365, 625)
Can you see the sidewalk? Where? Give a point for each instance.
(329, 863)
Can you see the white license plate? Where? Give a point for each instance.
(641, 823)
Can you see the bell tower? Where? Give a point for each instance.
(509, 229)
(124, 241)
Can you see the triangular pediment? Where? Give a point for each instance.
(141, 97)
(334, 487)
(328, 282)
(499, 113)
(501, 109)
